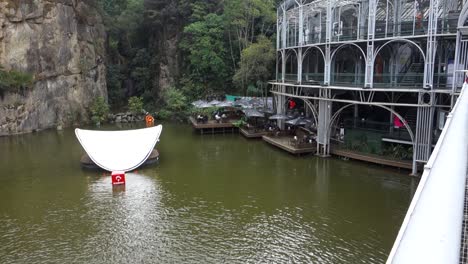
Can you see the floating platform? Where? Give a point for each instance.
(121, 150)
(287, 144)
(252, 134)
(87, 163)
(213, 127)
(372, 158)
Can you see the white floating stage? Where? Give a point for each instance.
(120, 150)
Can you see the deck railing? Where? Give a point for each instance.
(316, 34)
(411, 80)
(431, 231)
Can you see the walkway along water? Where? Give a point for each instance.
(432, 229)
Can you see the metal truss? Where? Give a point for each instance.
(368, 26)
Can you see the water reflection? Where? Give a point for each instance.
(129, 217)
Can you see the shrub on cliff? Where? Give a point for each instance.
(99, 110)
(14, 81)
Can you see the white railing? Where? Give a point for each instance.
(431, 231)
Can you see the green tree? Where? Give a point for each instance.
(201, 8)
(135, 105)
(175, 100)
(128, 59)
(204, 44)
(99, 110)
(140, 72)
(245, 20)
(222, 47)
(256, 64)
(162, 11)
(112, 7)
(115, 78)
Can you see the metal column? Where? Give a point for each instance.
(426, 100)
(327, 73)
(301, 24)
(423, 140)
(431, 45)
(283, 27)
(370, 45)
(324, 116)
(299, 65)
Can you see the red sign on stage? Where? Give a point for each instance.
(118, 177)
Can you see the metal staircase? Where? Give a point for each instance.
(414, 75)
(411, 117)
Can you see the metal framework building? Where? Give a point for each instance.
(403, 56)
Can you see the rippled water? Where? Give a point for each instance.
(212, 199)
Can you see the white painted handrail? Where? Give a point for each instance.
(431, 231)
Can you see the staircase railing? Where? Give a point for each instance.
(404, 70)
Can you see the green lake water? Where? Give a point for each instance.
(211, 199)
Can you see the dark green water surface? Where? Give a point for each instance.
(212, 199)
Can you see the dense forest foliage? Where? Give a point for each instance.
(220, 47)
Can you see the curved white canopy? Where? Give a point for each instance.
(119, 150)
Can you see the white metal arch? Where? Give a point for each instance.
(279, 55)
(310, 105)
(344, 45)
(288, 56)
(279, 61)
(398, 40)
(313, 109)
(289, 4)
(288, 53)
(308, 50)
(337, 113)
(281, 52)
(348, 7)
(384, 1)
(283, 6)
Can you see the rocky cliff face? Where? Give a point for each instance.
(168, 67)
(60, 42)
(166, 21)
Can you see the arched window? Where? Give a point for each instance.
(348, 66)
(291, 66)
(315, 25)
(279, 67)
(399, 63)
(384, 19)
(313, 66)
(345, 22)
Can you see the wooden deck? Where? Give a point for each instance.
(284, 143)
(372, 159)
(251, 134)
(213, 127)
